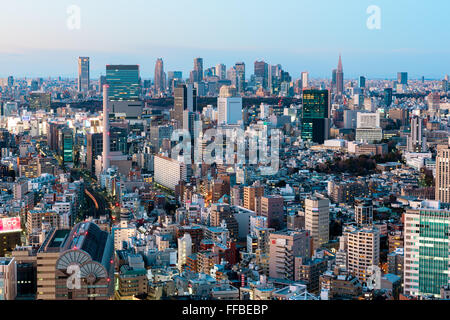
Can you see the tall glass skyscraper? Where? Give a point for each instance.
(123, 81)
(340, 77)
(315, 115)
(83, 74)
(426, 267)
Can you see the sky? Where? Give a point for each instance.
(301, 35)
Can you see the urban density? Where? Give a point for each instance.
(231, 182)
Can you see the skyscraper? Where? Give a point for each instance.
(124, 90)
(416, 142)
(198, 69)
(362, 82)
(340, 77)
(221, 71)
(83, 74)
(240, 77)
(315, 120)
(402, 78)
(388, 97)
(185, 98)
(443, 174)
(305, 80)
(262, 73)
(123, 81)
(333, 80)
(159, 76)
(10, 81)
(426, 267)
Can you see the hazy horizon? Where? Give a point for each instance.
(301, 35)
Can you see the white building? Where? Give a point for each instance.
(229, 106)
(184, 249)
(122, 233)
(368, 120)
(169, 172)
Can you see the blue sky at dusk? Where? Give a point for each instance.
(301, 35)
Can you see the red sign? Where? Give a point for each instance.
(10, 224)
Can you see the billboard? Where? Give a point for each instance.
(10, 224)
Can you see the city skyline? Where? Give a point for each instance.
(307, 40)
(199, 152)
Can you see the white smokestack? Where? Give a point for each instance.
(106, 137)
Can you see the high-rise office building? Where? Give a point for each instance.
(402, 78)
(221, 71)
(262, 74)
(124, 90)
(185, 98)
(305, 80)
(388, 97)
(362, 82)
(315, 122)
(426, 267)
(340, 77)
(94, 145)
(66, 138)
(83, 74)
(416, 142)
(198, 70)
(10, 81)
(229, 106)
(333, 80)
(123, 81)
(443, 174)
(240, 77)
(159, 76)
(317, 220)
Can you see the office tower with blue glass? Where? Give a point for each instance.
(315, 117)
(427, 257)
(124, 91)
